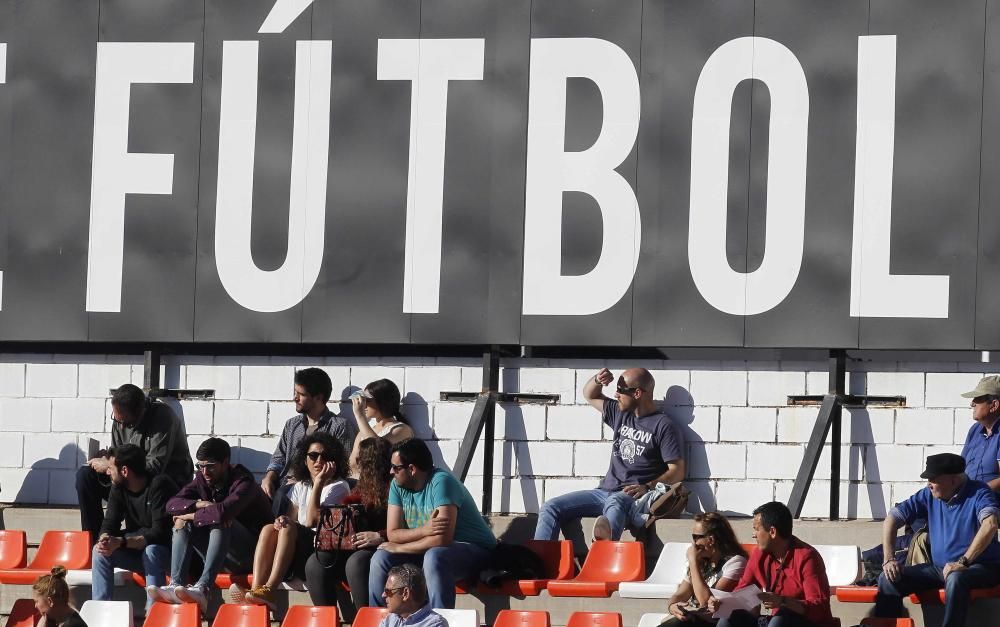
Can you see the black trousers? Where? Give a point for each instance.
(325, 571)
(92, 490)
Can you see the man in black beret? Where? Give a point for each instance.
(962, 521)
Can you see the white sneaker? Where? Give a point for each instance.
(163, 594)
(194, 594)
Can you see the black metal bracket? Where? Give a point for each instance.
(849, 400)
(521, 398)
(151, 380)
(483, 419)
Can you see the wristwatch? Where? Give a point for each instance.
(964, 561)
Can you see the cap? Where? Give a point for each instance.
(943, 464)
(987, 386)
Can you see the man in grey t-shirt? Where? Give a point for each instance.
(648, 449)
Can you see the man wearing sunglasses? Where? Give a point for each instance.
(982, 443)
(219, 516)
(647, 449)
(405, 596)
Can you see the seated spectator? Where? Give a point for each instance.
(716, 560)
(51, 594)
(648, 449)
(981, 450)
(790, 572)
(152, 426)
(320, 465)
(218, 516)
(325, 571)
(961, 518)
(376, 411)
(405, 595)
(311, 393)
(433, 522)
(139, 500)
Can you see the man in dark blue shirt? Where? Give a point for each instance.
(962, 526)
(982, 443)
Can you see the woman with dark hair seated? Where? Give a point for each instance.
(715, 560)
(319, 467)
(376, 410)
(326, 570)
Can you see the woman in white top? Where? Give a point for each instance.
(320, 467)
(376, 410)
(715, 560)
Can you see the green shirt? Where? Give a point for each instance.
(443, 489)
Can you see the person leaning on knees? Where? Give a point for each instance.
(51, 596)
(716, 560)
(147, 423)
(961, 518)
(647, 450)
(432, 521)
(790, 573)
(139, 501)
(218, 516)
(405, 596)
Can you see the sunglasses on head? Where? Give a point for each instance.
(624, 389)
(314, 455)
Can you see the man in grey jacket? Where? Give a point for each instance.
(150, 425)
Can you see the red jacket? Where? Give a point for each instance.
(801, 576)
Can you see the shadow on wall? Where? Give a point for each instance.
(512, 418)
(678, 404)
(37, 486)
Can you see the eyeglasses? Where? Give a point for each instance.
(388, 592)
(624, 389)
(314, 455)
(206, 465)
(981, 399)
(698, 536)
(394, 468)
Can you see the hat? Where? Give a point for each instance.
(987, 386)
(943, 464)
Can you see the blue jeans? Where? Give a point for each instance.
(230, 547)
(889, 602)
(151, 561)
(443, 566)
(617, 507)
(784, 618)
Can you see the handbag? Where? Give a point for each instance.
(670, 504)
(338, 524)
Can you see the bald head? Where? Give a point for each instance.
(639, 378)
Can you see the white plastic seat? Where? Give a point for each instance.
(460, 618)
(107, 613)
(843, 563)
(84, 577)
(652, 619)
(666, 576)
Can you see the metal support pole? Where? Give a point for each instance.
(491, 386)
(151, 369)
(838, 370)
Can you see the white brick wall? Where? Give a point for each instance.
(744, 444)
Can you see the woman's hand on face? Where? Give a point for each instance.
(326, 474)
(692, 552)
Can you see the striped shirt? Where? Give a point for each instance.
(341, 428)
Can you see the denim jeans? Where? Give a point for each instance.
(442, 565)
(889, 602)
(230, 547)
(784, 618)
(617, 507)
(152, 561)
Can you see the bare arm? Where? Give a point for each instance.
(680, 597)
(593, 389)
(987, 531)
(396, 529)
(889, 528)
(441, 532)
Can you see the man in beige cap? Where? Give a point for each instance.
(982, 443)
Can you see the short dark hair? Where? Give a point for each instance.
(315, 381)
(410, 576)
(130, 399)
(213, 449)
(330, 445)
(386, 397)
(414, 451)
(130, 456)
(775, 514)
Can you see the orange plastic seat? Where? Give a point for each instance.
(173, 615)
(310, 616)
(608, 564)
(522, 618)
(935, 597)
(856, 594)
(557, 555)
(872, 621)
(369, 616)
(66, 548)
(23, 614)
(224, 580)
(242, 616)
(13, 549)
(595, 619)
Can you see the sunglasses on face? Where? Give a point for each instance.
(981, 399)
(388, 592)
(698, 536)
(624, 389)
(315, 455)
(394, 468)
(206, 465)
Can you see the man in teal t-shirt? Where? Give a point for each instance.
(433, 522)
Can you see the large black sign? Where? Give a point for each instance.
(778, 173)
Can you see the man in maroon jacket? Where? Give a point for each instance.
(218, 515)
(791, 574)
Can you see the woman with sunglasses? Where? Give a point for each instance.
(715, 560)
(376, 410)
(326, 570)
(320, 468)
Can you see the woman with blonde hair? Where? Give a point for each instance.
(51, 594)
(716, 559)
